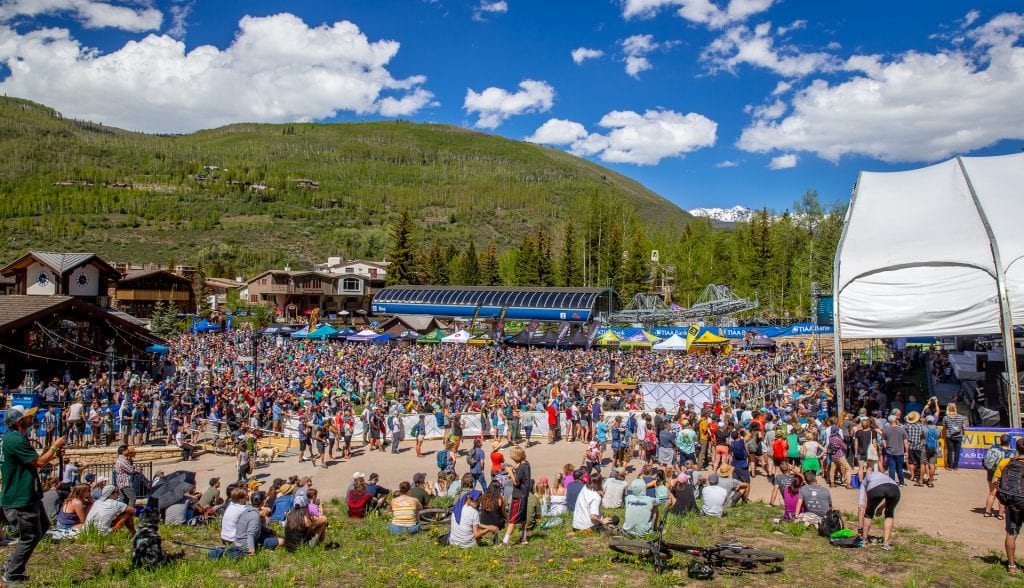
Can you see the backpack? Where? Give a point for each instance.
(831, 522)
(931, 439)
(442, 459)
(650, 444)
(471, 459)
(955, 430)
(1011, 485)
(992, 458)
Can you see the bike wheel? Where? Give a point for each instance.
(636, 548)
(748, 556)
(434, 516)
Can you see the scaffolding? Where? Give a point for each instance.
(716, 301)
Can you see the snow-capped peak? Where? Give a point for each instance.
(736, 214)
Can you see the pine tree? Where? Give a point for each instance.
(470, 266)
(202, 293)
(403, 251)
(545, 264)
(612, 263)
(569, 270)
(165, 320)
(437, 264)
(635, 273)
(490, 274)
(526, 263)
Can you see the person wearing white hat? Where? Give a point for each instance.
(21, 495)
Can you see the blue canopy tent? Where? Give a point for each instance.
(157, 348)
(301, 333)
(344, 333)
(203, 326)
(383, 338)
(321, 332)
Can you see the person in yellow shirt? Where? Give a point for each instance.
(1014, 517)
(705, 441)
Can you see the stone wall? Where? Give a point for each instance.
(108, 455)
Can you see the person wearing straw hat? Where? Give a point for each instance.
(21, 495)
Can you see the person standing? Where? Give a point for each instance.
(955, 425)
(896, 445)
(21, 495)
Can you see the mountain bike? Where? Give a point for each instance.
(434, 516)
(733, 555)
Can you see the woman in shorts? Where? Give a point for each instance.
(878, 492)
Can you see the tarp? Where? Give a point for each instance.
(667, 395)
(363, 336)
(435, 336)
(460, 338)
(929, 251)
(321, 332)
(673, 343)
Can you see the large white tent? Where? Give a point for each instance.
(460, 338)
(934, 251)
(673, 343)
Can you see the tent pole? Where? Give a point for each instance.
(837, 337)
(1005, 316)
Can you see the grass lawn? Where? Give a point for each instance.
(369, 556)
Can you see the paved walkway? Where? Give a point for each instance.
(951, 510)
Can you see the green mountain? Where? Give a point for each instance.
(252, 196)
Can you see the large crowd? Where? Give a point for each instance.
(770, 415)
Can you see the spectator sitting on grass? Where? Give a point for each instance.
(251, 532)
(300, 528)
(466, 529)
(109, 514)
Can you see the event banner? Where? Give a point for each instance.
(977, 440)
(794, 330)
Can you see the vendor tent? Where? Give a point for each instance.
(638, 339)
(485, 338)
(756, 341)
(607, 338)
(408, 336)
(203, 326)
(435, 336)
(363, 336)
(673, 343)
(707, 338)
(343, 333)
(460, 338)
(301, 333)
(934, 251)
(526, 337)
(321, 332)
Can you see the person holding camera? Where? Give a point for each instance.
(21, 495)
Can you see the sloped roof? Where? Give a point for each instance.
(17, 308)
(61, 262)
(139, 274)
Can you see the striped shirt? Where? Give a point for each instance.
(123, 470)
(915, 435)
(403, 511)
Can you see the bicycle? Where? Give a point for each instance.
(434, 516)
(722, 555)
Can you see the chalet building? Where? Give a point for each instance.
(139, 292)
(80, 275)
(218, 289)
(293, 292)
(6, 286)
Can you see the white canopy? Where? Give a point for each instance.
(673, 343)
(934, 251)
(462, 337)
(924, 251)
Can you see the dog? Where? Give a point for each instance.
(148, 551)
(266, 455)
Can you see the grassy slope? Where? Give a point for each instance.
(492, 188)
(369, 556)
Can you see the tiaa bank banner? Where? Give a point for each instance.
(977, 440)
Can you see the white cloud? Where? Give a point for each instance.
(793, 26)
(703, 12)
(726, 163)
(276, 69)
(485, 7)
(581, 54)
(409, 104)
(971, 17)
(179, 12)
(783, 161)
(781, 88)
(495, 105)
(910, 108)
(633, 138)
(557, 131)
(92, 15)
(741, 45)
(636, 49)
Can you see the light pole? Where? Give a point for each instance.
(255, 356)
(110, 372)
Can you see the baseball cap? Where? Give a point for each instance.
(16, 413)
(1004, 440)
(358, 475)
(418, 478)
(102, 479)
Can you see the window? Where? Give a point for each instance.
(373, 273)
(254, 298)
(350, 270)
(350, 285)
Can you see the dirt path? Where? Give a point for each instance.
(951, 510)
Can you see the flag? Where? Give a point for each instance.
(691, 334)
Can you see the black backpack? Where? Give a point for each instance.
(830, 523)
(1011, 485)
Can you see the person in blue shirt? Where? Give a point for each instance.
(601, 435)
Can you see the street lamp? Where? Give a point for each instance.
(110, 372)
(255, 356)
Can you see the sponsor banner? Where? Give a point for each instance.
(794, 330)
(977, 440)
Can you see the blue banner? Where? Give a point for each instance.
(794, 330)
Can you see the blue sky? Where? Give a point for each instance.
(707, 102)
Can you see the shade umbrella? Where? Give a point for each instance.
(172, 488)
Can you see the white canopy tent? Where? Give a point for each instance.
(461, 338)
(934, 251)
(673, 343)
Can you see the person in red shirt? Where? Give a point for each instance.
(552, 422)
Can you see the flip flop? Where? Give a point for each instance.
(989, 515)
